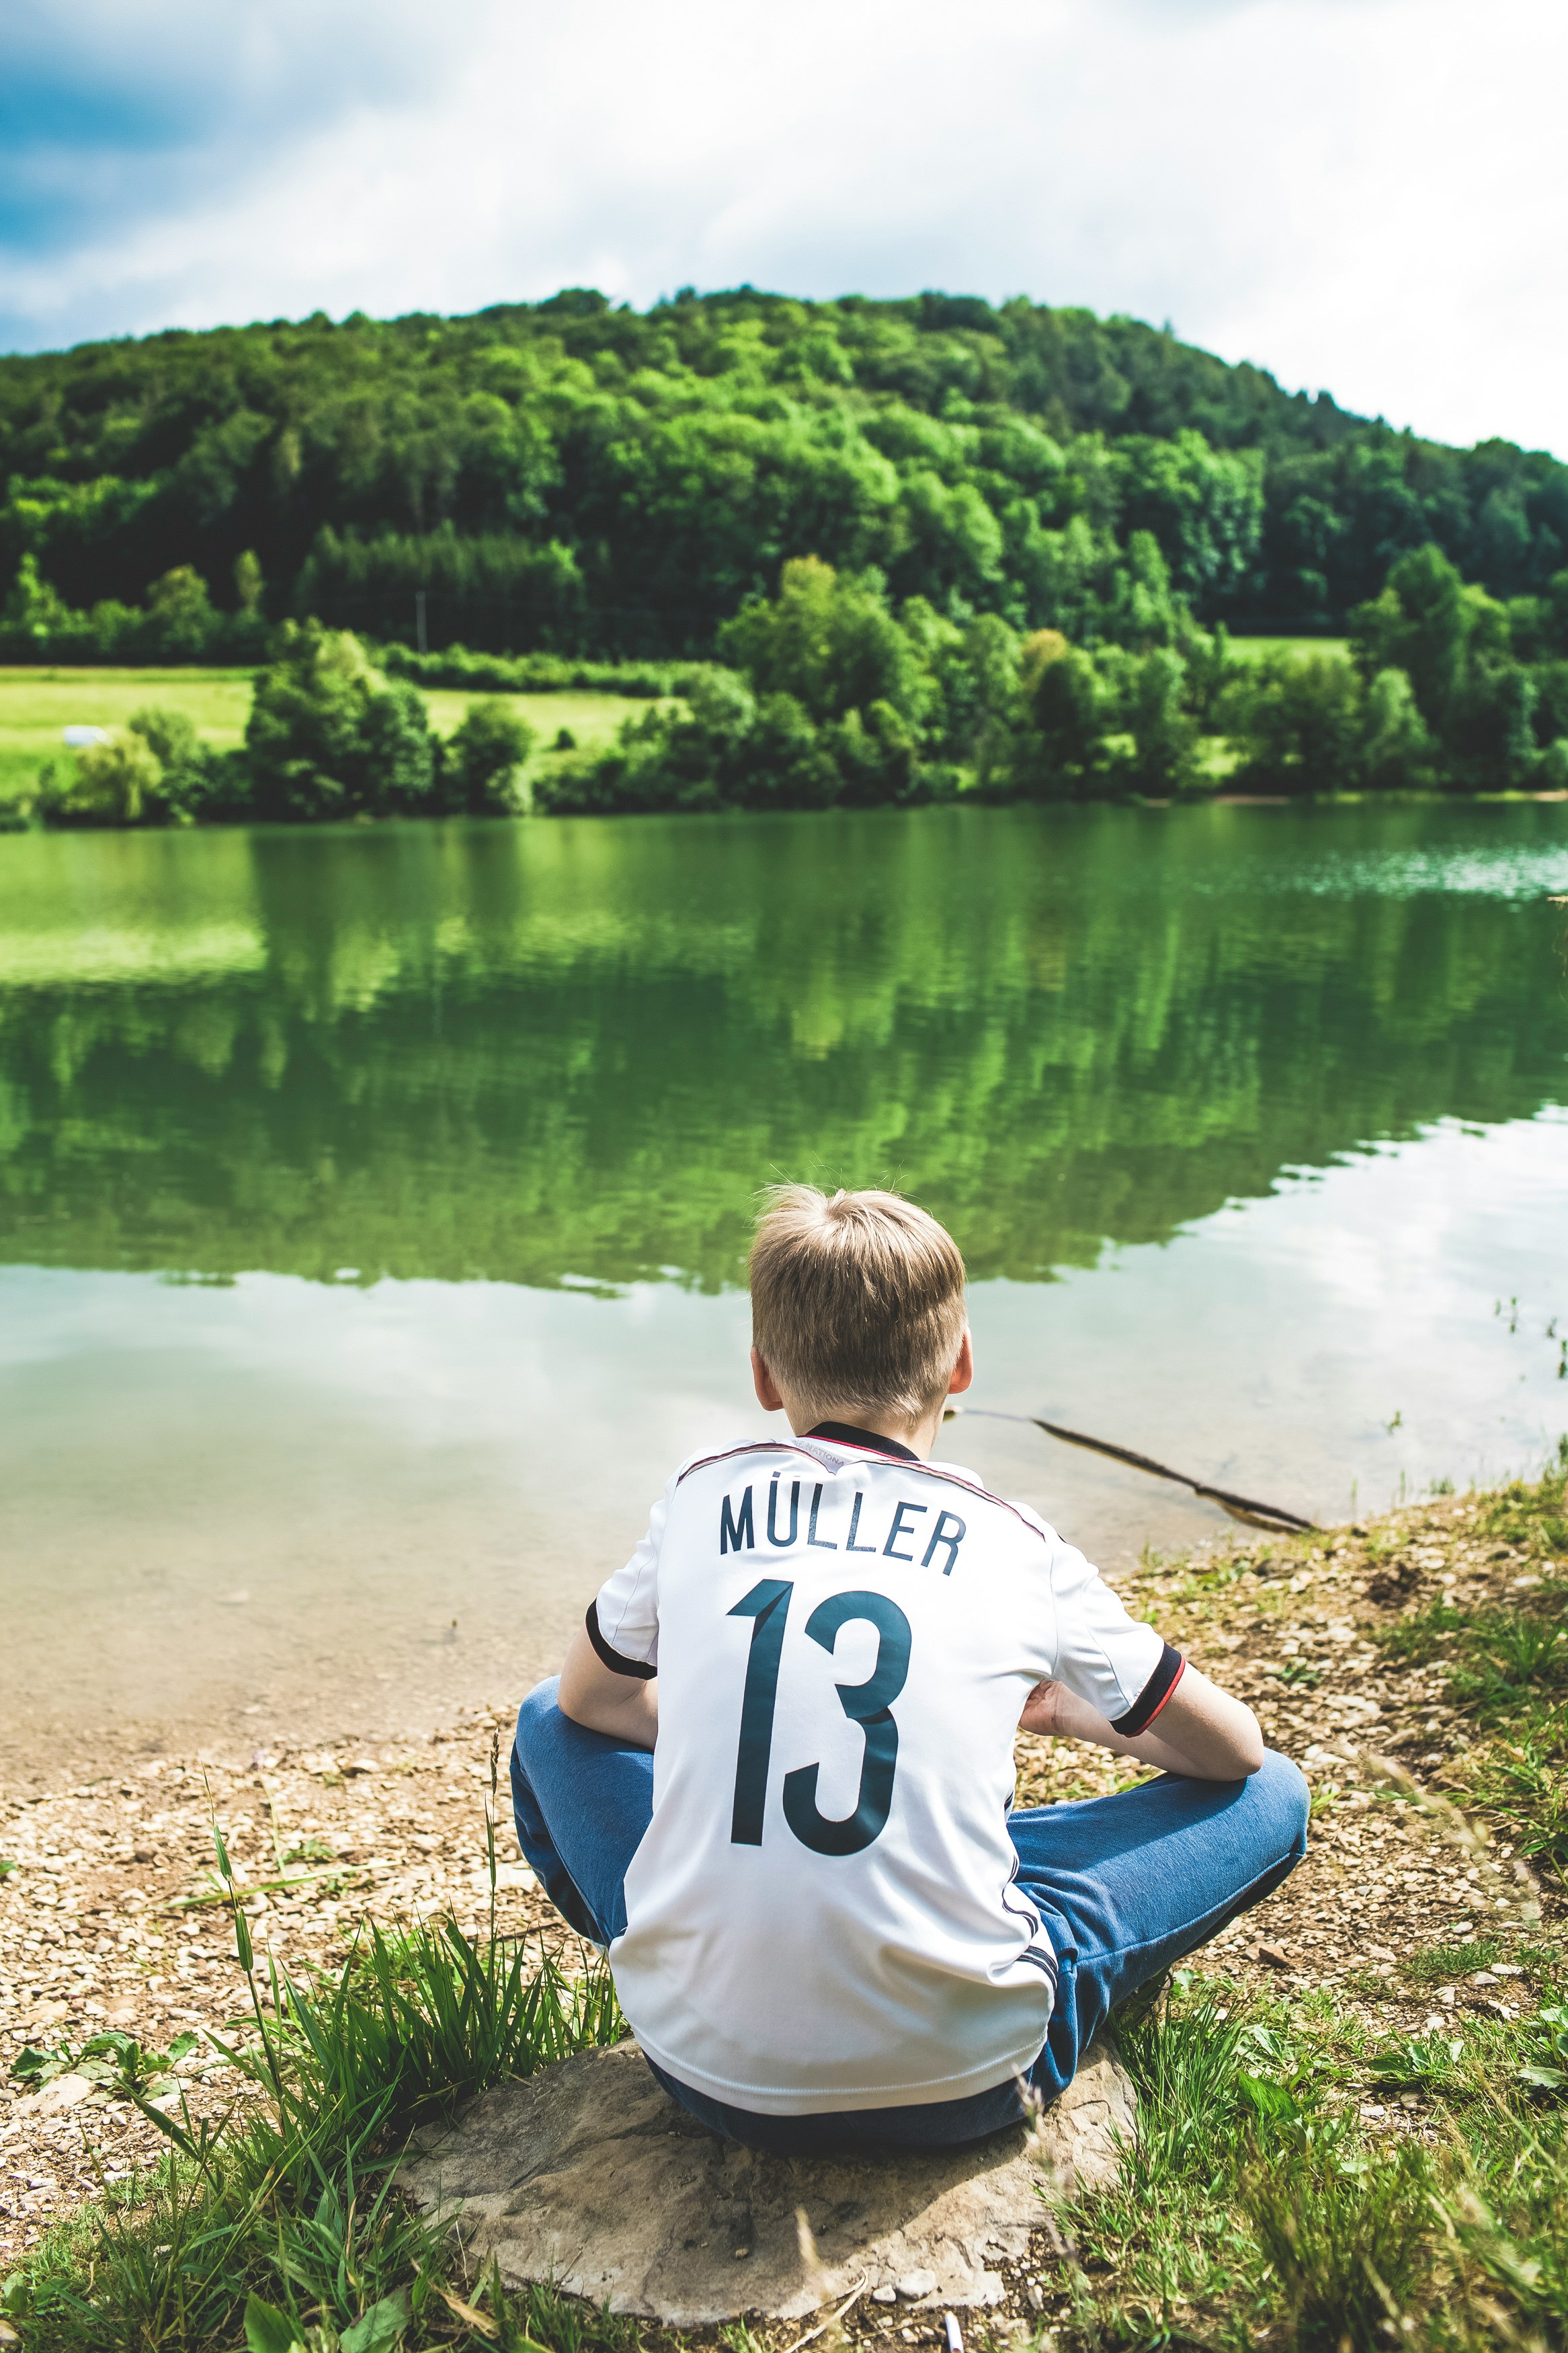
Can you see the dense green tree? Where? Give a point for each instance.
(1138, 608)
(155, 771)
(34, 614)
(481, 763)
(194, 779)
(1456, 645)
(179, 626)
(1202, 507)
(592, 480)
(502, 590)
(1396, 752)
(329, 735)
(1164, 758)
(1298, 724)
(1423, 623)
(115, 783)
(1059, 742)
(978, 673)
(829, 641)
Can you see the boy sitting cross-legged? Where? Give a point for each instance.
(827, 1929)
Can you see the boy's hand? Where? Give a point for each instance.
(1046, 1707)
(1200, 1731)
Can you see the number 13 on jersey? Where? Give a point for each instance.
(867, 1704)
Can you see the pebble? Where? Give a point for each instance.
(913, 2285)
(884, 2295)
(63, 2093)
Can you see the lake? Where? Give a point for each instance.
(374, 1202)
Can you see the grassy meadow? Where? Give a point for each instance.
(35, 704)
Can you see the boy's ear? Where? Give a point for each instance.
(762, 1381)
(964, 1370)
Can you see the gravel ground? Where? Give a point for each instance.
(98, 1929)
(1393, 1870)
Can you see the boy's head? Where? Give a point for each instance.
(856, 1305)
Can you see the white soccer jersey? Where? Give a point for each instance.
(822, 1913)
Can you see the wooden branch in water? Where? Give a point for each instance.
(1240, 1507)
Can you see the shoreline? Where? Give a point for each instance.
(103, 1925)
(15, 825)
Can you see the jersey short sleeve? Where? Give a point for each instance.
(1120, 1665)
(623, 1616)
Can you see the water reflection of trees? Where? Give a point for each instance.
(578, 1048)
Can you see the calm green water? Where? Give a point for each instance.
(372, 1202)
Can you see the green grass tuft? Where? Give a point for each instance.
(1345, 2234)
(278, 2220)
(1437, 1963)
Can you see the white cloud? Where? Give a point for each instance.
(1363, 196)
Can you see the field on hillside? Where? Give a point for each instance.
(37, 704)
(1261, 648)
(1258, 648)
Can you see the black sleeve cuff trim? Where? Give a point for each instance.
(1153, 1696)
(616, 1665)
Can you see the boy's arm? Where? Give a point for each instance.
(625, 1706)
(1200, 1731)
(608, 1676)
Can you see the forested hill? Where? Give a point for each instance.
(595, 480)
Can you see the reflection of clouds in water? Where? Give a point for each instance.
(1506, 872)
(1276, 1343)
(92, 958)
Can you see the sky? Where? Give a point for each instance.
(1368, 196)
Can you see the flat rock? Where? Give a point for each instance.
(588, 2174)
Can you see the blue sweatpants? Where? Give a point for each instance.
(1124, 1887)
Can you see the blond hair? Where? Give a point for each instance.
(856, 1303)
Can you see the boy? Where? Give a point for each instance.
(827, 1929)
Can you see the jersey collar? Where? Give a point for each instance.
(844, 1434)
